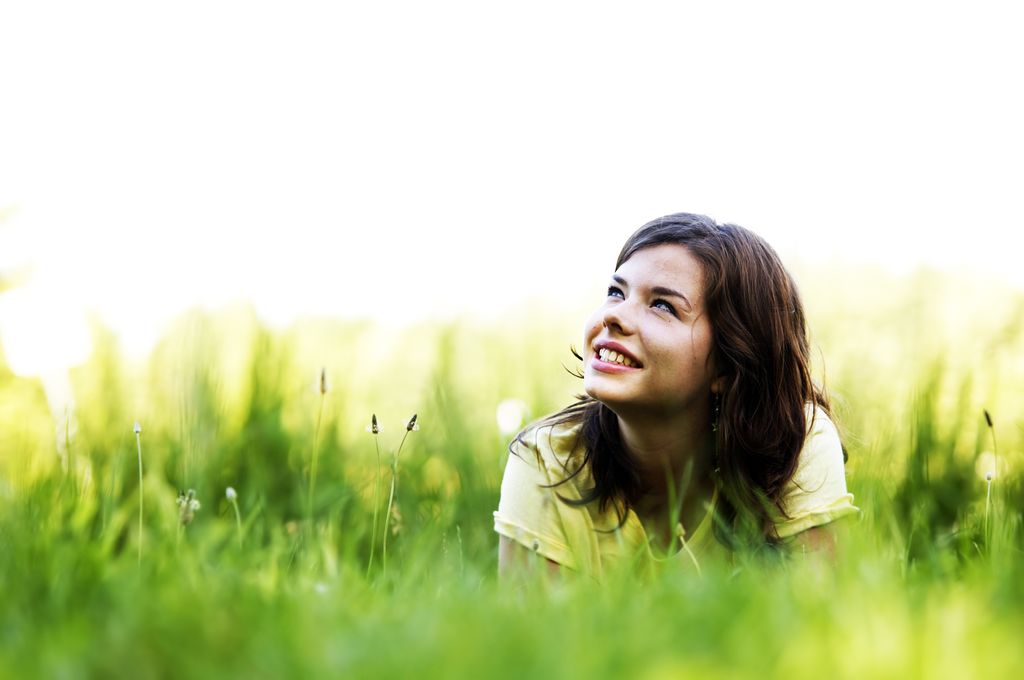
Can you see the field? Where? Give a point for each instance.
(930, 584)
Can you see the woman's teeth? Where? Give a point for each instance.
(614, 357)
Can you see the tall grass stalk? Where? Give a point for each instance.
(394, 480)
(988, 506)
(232, 497)
(995, 447)
(316, 441)
(374, 429)
(989, 477)
(138, 446)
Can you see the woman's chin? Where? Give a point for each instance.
(590, 386)
(601, 393)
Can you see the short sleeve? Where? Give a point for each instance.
(526, 511)
(817, 493)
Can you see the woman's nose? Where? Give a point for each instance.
(620, 317)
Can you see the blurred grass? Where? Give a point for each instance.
(223, 401)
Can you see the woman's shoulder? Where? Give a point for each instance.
(821, 461)
(822, 433)
(551, 441)
(817, 493)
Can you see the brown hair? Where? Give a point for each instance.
(761, 350)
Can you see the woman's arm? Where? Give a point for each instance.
(816, 498)
(819, 540)
(828, 541)
(515, 561)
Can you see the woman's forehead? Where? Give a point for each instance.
(666, 264)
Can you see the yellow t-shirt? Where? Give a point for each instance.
(587, 540)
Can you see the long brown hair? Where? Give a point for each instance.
(761, 350)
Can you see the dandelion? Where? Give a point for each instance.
(188, 504)
(316, 440)
(138, 444)
(232, 497)
(374, 429)
(412, 426)
(985, 464)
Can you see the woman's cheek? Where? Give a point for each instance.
(591, 329)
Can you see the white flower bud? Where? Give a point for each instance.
(231, 493)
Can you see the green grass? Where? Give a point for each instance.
(921, 590)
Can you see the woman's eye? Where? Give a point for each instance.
(614, 292)
(666, 306)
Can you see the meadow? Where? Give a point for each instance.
(278, 582)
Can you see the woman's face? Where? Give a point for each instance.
(654, 316)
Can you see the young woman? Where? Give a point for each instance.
(701, 431)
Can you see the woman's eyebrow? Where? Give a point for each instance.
(656, 290)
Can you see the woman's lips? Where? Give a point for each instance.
(610, 366)
(615, 348)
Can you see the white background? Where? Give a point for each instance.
(400, 160)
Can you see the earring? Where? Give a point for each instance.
(714, 429)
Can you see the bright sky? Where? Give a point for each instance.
(406, 159)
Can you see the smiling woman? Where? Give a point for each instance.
(701, 432)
